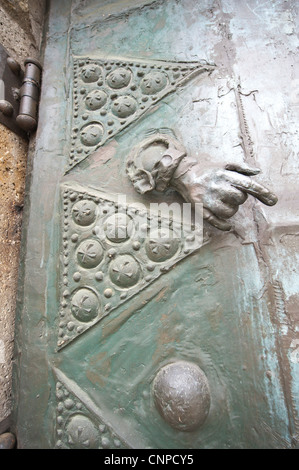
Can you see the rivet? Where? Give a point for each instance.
(108, 293)
(111, 253)
(74, 237)
(136, 245)
(77, 277)
(150, 267)
(70, 326)
(99, 276)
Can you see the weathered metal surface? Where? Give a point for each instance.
(103, 312)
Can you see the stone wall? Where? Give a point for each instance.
(21, 24)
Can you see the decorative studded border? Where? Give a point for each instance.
(79, 424)
(109, 95)
(108, 256)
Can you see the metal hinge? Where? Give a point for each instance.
(19, 94)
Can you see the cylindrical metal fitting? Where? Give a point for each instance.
(29, 95)
(14, 66)
(6, 108)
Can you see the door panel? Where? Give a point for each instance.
(91, 337)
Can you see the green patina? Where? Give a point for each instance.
(211, 308)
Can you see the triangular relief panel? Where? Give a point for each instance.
(111, 94)
(79, 422)
(111, 250)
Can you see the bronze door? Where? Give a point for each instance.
(126, 340)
